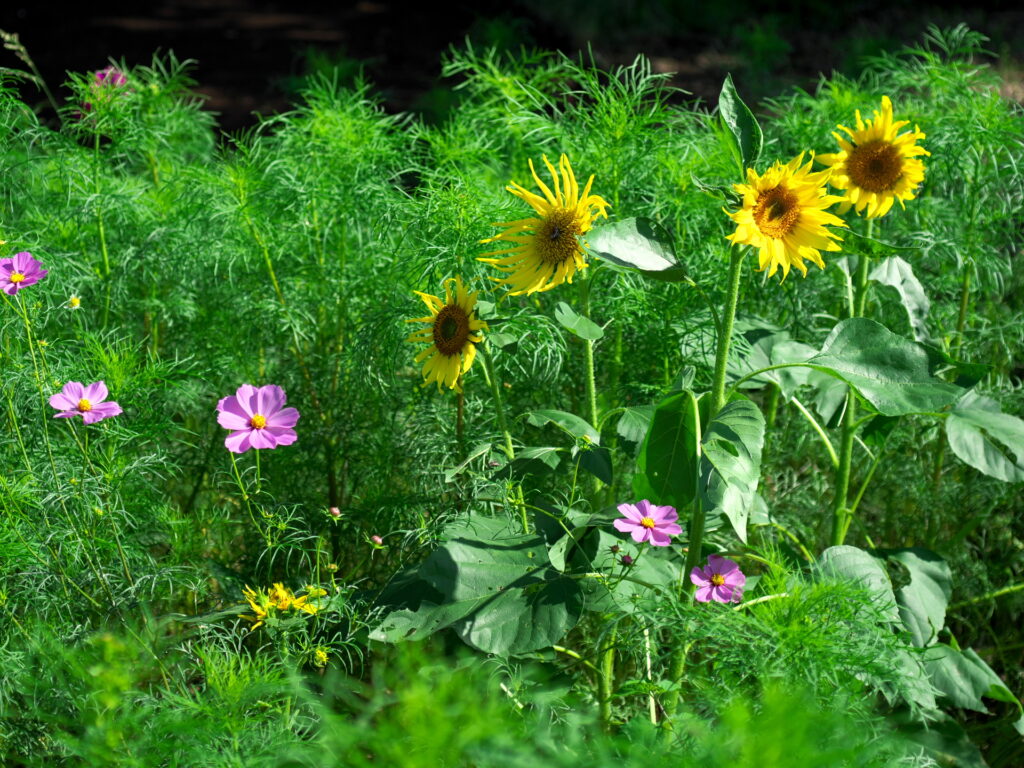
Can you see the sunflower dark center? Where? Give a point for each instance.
(451, 330)
(776, 212)
(556, 236)
(875, 166)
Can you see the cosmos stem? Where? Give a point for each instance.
(100, 225)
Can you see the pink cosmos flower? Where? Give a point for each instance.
(19, 271)
(648, 522)
(110, 76)
(720, 580)
(85, 401)
(257, 418)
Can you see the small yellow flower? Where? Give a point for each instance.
(878, 164)
(453, 333)
(784, 217)
(281, 597)
(320, 657)
(260, 604)
(546, 248)
(74, 302)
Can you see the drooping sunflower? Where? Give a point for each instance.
(546, 249)
(784, 216)
(878, 164)
(452, 333)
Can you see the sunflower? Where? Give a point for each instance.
(452, 334)
(877, 165)
(783, 216)
(547, 251)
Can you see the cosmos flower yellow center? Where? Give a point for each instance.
(16, 277)
(556, 236)
(717, 579)
(84, 405)
(451, 330)
(776, 212)
(258, 421)
(875, 166)
(647, 522)
(74, 302)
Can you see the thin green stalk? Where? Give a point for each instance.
(725, 336)
(499, 410)
(819, 430)
(98, 190)
(606, 681)
(588, 350)
(841, 513)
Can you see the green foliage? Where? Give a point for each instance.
(288, 254)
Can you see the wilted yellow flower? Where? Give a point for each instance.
(546, 248)
(878, 164)
(783, 216)
(453, 332)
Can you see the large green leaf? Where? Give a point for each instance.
(861, 567)
(987, 439)
(896, 273)
(494, 587)
(577, 324)
(523, 620)
(923, 599)
(892, 373)
(964, 678)
(775, 349)
(634, 423)
(731, 463)
(741, 123)
(667, 465)
(641, 245)
(568, 422)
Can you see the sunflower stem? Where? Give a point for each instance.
(725, 336)
(606, 680)
(589, 355)
(841, 513)
(499, 411)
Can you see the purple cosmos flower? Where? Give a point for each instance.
(85, 401)
(648, 522)
(257, 418)
(110, 76)
(720, 580)
(19, 271)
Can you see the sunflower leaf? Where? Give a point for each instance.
(641, 245)
(896, 273)
(985, 438)
(569, 422)
(730, 463)
(667, 464)
(741, 123)
(893, 374)
(577, 324)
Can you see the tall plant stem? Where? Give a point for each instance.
(588, 352)
(606, 681)
(841, 513)
(100, 225)
(732, 297)
(499, 411)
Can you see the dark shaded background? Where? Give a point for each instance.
(250, 54)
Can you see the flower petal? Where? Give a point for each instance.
(703, 594)
(269, 400)
(283, 418)
(96, 392)
(238, 442)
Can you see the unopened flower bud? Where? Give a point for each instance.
(377, 540)
(335, 512)
(626, 560)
